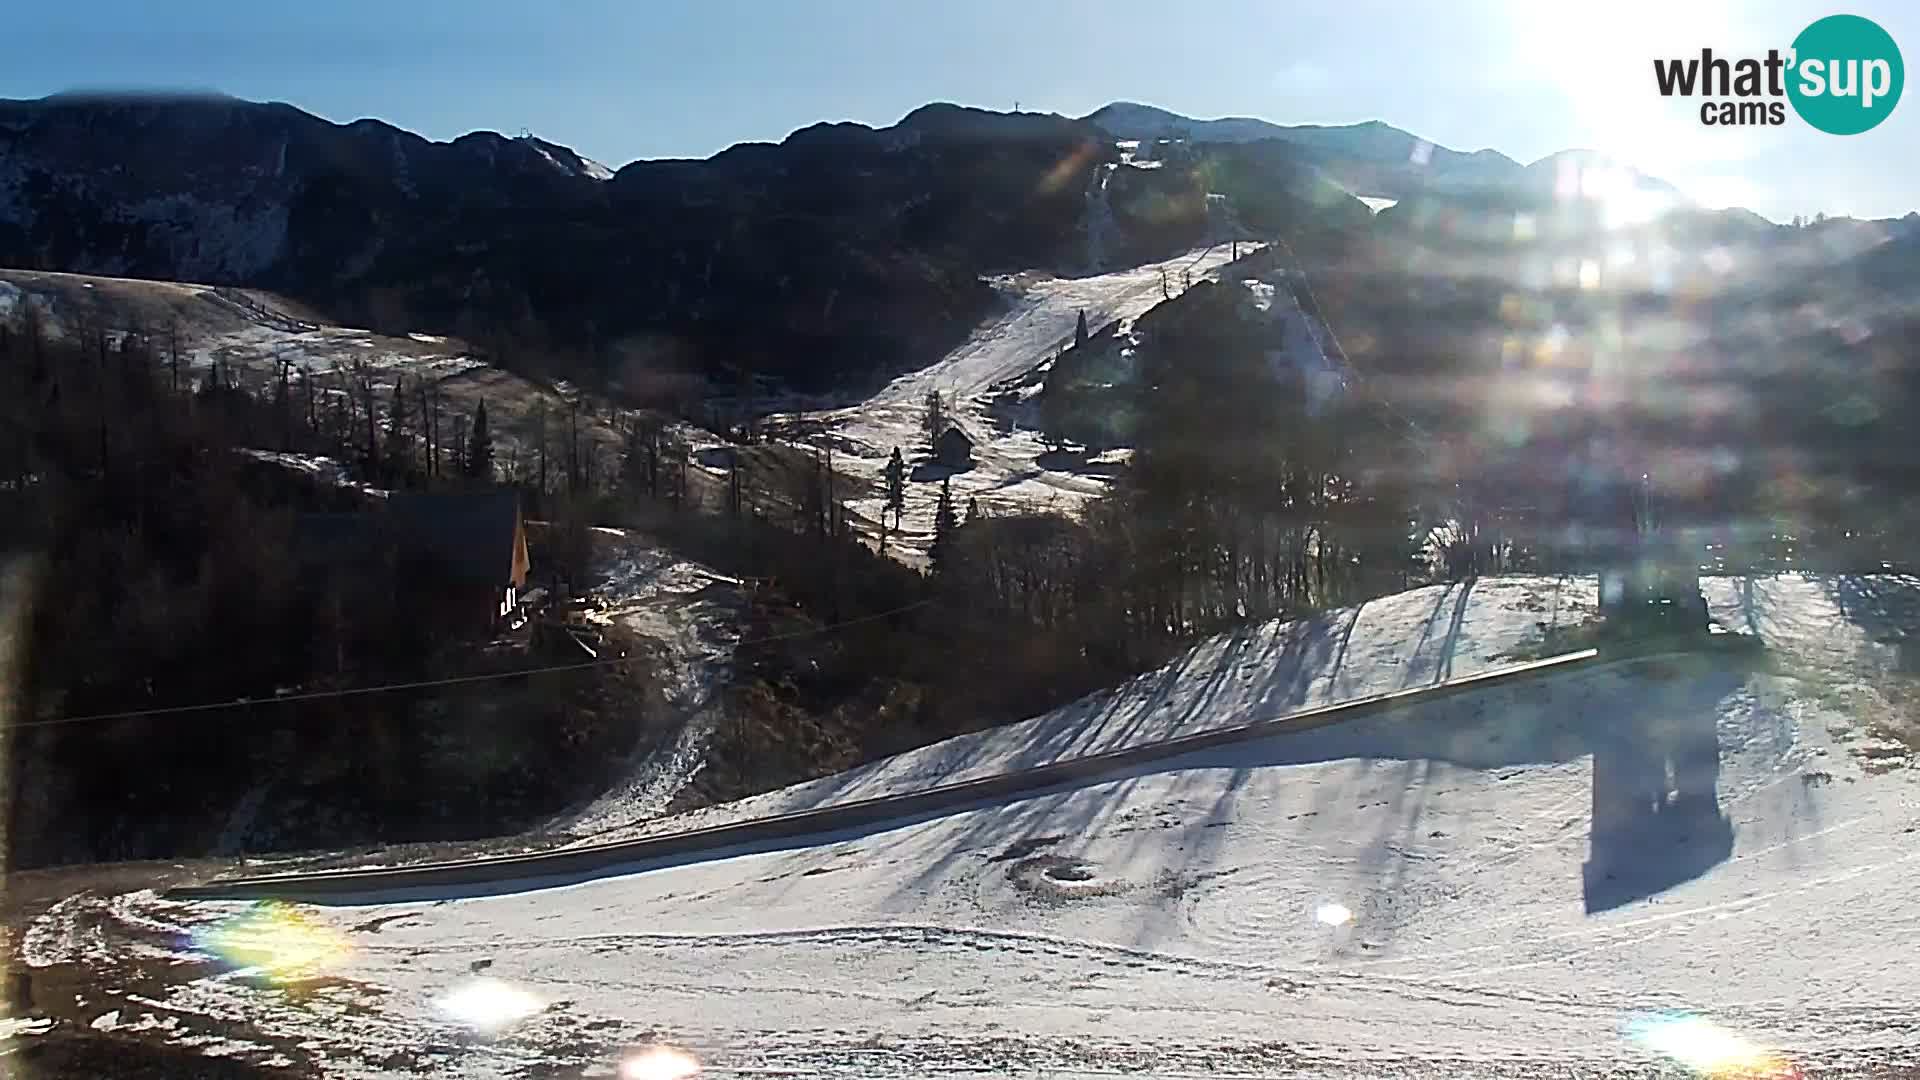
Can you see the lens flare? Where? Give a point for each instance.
(1711, 1051)
(1064, 170)
(660, 1063)
(278, 940)
(1333, 914)
(489, 1004)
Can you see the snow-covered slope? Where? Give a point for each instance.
(1415, 638)
(690, 615)
(249, 346)
(1008, 476)
(1511, 884)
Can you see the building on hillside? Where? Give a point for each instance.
(465, 553)
(322, 541)
(458, 559)
(954, 449)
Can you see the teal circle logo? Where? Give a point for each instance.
(1846, 74)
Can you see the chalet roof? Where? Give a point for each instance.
(955, 432)
(345, 539)
(470, 534)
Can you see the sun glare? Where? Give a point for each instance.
(1711, 1051)
(489, 1004)
(660, 1063)
(1588, 69)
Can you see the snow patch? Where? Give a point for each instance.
(688, 613)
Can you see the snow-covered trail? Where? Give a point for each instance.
(689, 614)
(1038, 320)
(1409, 892)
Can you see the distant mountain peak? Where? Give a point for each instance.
(944, 118)
(1372, 157)
(1369, 158)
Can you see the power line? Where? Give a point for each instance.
(458, 680)
(422, 684)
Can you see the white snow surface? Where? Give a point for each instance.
(1403, 895)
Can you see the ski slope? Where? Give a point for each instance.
(1415, 638)
(1036, 322)
(1413, 894)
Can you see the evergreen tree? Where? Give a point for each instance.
(173, 348)
(363, 377)
(936, 418)
(735, 489)
(479, 459)
(282, 398)
(675, 454)
(813, 498)
(399, 441)
(574, 474)
(943, 525)
(459, 445)
(1080, 330)
(973, 509)
(540, 443)
(896, 486)
(633, 461)
(429, 426)
(1056, 394)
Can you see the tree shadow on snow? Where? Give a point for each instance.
(1656, 819)
(1886, 607)
(929, 471)
(1076, 462)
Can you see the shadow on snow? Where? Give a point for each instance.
(1656, 820)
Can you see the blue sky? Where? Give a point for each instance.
(625, 79)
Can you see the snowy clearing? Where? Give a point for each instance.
(1637, 867)
(251, 342)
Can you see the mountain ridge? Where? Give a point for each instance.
(1371, 157)
(840, 253)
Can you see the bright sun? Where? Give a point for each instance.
(1596, 60)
